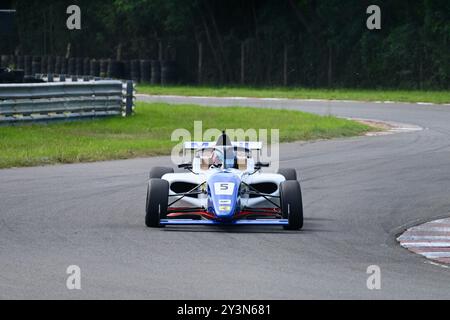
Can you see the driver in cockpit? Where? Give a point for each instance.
(227, 158)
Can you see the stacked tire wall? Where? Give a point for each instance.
(155, 72)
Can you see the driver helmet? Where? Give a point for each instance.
(217, 158)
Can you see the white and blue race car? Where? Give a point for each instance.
(224, 185)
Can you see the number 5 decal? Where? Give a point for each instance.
(224, 189)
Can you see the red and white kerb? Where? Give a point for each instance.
(431, 240)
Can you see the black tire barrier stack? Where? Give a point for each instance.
(4, 75)
(127, 69)
(27, 65)
(168, 72)
(18, 75)
(95, 68)
(12, 76)
(19, 64)
(146, 71)
(79, 64)
(120, 70)
(51, 64)
(71, 66)
(36, 66)
(103, 68)
(156, 72)
(63, 65)
(32, 79)
(4, 63)
(58, 65)
(135, 71)
(115, 69)
(86, 66)
(44, 65)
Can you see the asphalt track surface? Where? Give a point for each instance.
(359, 194)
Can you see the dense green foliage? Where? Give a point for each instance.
(297, 42)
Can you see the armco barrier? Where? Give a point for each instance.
(63, 100)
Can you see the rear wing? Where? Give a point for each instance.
(196, 145)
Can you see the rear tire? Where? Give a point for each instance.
(288, 173)
(292, 204)
(157, 202)
(159, 172)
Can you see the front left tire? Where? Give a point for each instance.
(157, 202)
(288, 173)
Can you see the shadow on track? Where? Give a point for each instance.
(310, 227)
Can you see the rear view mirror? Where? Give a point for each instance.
(260, 165)
(186, 166)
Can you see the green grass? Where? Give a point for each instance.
(302, 93)
(148, 133)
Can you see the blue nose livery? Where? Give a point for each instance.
(223, 194)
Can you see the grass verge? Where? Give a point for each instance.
(439, 97)
(148, 133)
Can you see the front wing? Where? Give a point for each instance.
(256, 222)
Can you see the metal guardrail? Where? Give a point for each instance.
(65, 100)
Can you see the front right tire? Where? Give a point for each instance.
(159, 172)
(157, 202)
(292, 204)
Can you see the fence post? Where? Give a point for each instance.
(242, 62)
(285, 65)
(129, 99)
(200, 63)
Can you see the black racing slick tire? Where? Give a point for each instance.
(157, 202)
(159, 172)
(292, 204)
(288, 173)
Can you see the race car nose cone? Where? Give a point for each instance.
(224, 208)
(224, 192)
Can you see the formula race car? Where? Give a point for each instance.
(224, 185)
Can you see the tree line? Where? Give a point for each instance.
(309, 43)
